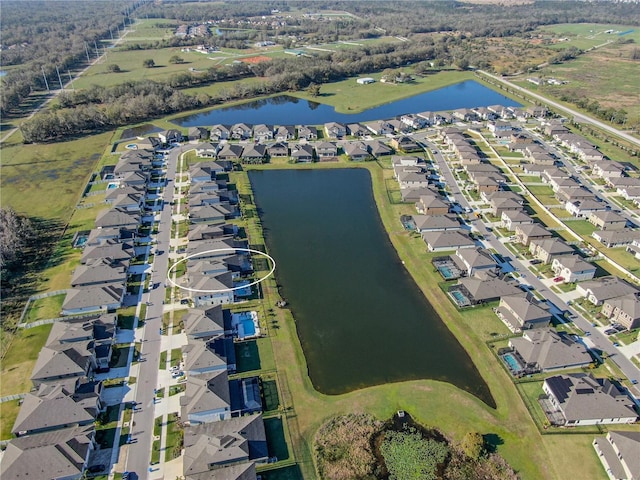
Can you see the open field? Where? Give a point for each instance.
(8, 414)
(587, 35)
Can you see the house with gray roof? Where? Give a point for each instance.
(584, 207)
(53, 408)
(356, 150)
(202, 231)
(412, 179)
(545, 350)
(526, 233)
(618, 453)
(377, 148)
(326, 151)
(307, 132)
(519, 313)
(63, 361)
(204, 356)
(511, 218)
(206, 398)
(278, 150)
(210, 290)
(607, 220)
(500, 205)
(240, 131)
(284, 133)
(212, 446)
(215, 248)
(117, 218)
(230, 152)
(432, 223)
(302, 152)
(262, 132)
(205, 150)
(582, 399)
(102, 298)
(573, 268)
(486, 288)
(617, 238)
(241, 471)
(254, 153)
(98, 272)
(624, 310)
(546, 249)
(117, 253)
(220, 132)
(441, 241)
(216, 213)
(357, 130)
(335, 130)
(207, 324)
(413, 194)
(605, 288)
(62, 454)
(405, 144)
(198, 133)
(473, 260)
(432, 205)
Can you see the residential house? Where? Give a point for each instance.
(618, 453)
(607, 220)
(118, 253)
(526, 233)
(62, 454)
(302, 153)
(307, 132)
(607, 169)
(170, 136)
(606, 288)
(59, 362)
(262, 132)
(356, 150)
(585, 207)
(432, 205)
(546, 350)
(205, 171)
(483, 288)
(465, 114)
(54, 407)
(284, 133)
(413, 178)
(511, 218)
(441, 241)
(335, 130)
(206, 150)
(405, 144)
(99, 271)
(278, 150)
(379, 127)
(230, 152)
(104, 298)
(501, 205)
(216, 213)
(537, 111)
(518, 313)
(207, 324)
(434, 223)
(487, 183)
(209, 290)
(208, 232)
(377, 148)
(412, 195)
(240, 131)
(326, 151)
(198, 133)
(206, 399)
(230, 448)
(220, 132)
(254, 153)
(473, 260)
(546, 249)
(415, 122)
(581, 399)
(624, 310)
(617, 238)
(573, 268)
(203, 357)
(117, 218)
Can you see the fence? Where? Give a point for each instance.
(37, 297)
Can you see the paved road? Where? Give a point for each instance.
(580, 117)
(596, 337)
(139, 452)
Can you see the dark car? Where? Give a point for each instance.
(96, 468)
(536, 261)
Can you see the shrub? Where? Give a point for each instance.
(409, 456)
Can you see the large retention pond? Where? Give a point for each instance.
(361, 319)
(286, 110)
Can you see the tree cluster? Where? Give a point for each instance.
(15, 233)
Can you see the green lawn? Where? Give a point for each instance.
(582, 227)
(175, 437)
(43, 308)
(20, 359)
(8, 414)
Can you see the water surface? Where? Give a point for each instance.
(361, 319)
(286, 110)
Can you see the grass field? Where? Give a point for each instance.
(20, 358)
(8, 414)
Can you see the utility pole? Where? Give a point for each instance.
(44, 75)
(59, 79)
(70, 80)
(97, 51)
(86, 49)
(111, 33)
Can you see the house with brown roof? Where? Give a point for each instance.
(512, 218)
(607, 220)
(526, 233)
(546, 249)
(220, 132)
(307, 132)
(617, 238)
(240, 131)
(263, 132)
(302, 153)
(356, 150)
(434, 223)
(473, 260)
(484, 288)
(441, 241)
(335, 130)
(326, 151)
(624, 310)
(518, 313)
(432, 205)
(405, 144)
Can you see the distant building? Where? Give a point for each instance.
(365, 80)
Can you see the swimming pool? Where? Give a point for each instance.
(512, 362)
(460, 299)
(112, 186)
(446, 272)
(131, 146)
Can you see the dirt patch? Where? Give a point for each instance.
(257, 59)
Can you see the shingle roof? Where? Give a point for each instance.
(549, 349)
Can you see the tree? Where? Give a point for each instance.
(409, 456)
(176, 59)
(149, 63)
(113, 68)
(473, 445)
(314, 90)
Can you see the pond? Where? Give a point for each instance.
(286, 110)
(361, 318)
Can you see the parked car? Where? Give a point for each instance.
(634, 381)
(536, 261)
(558, 279)
(609, 331)
(616, 344)
(96, 468)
